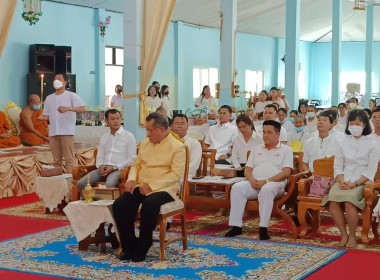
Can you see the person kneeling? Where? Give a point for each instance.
(267, 169)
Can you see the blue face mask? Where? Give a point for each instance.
(233, 116)
(291, 120)
(211, 122)
(36, 107)
(260, 122)
(299, 129)
(310, 115)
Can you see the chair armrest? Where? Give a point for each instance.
(304, 186)
(124, 175)
(79, 171)
(370, 192)
(291, 186)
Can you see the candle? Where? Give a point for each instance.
(42, 88)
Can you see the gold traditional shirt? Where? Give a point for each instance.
(159, 165)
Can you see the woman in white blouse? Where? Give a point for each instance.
(355, 165)
(300, 132)
(283, 119)
(166, 100)
(244, 142)
(153, 100)
(205, 99)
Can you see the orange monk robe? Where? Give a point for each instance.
(12, 141)
(39, 125)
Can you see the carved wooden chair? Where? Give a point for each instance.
(176, 207)
(309, 207)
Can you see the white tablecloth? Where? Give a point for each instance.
(52, 190)
(89, 136)
(86, 218)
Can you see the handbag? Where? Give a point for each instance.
(320, 186)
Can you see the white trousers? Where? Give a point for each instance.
(243, 191)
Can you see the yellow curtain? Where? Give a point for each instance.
(156, 20)
(7, 10)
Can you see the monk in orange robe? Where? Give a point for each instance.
(7, 140)
(34, 131)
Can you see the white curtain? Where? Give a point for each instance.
(7, 10)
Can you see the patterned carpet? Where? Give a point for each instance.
(55, 253)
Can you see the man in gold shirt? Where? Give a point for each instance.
(152, 182)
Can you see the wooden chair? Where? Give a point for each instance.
(176, 207)
(253, 205)
(82, 170)
(207, 162)
(325, 167)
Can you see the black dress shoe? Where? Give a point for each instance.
(234, 231)
(138, 258)
(125, 257)
(264, 233)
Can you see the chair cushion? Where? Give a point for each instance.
(12, 111)
(171, 206)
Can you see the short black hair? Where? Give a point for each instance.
(327, 114)
(158, 120)
(294, 111)
(181, 116)
(362, 116)
(246, 119)
(271, 106)
(342, 104)
(228, 107)
(273, 88)
(333, 106)
(275, 124)
(111, 111)
(357, 101)
(300, 104)
(376, 110)
(369, 112)
(283, 110)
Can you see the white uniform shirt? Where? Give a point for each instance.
(240, 148)
(195, 150)
(356, 157)
(166, 105)
(118, 101)
(220, 138)
(316, 148)
(376, 138)
(61, 123)
(343, 120)
(279, 102)
(118, 150)
(260, 106)
(283, 134)
(334, 133)
(312, 126)
(153, 102)
(268, 163)
(299, 136)
(205, 102)
(289, 126)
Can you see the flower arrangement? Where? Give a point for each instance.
(31, 11)
(104, 25)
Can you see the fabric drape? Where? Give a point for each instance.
(7, 10)
(18, 173)
(157, 16)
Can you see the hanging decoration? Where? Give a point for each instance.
(359, 5)
(104, 25)
(32, 11)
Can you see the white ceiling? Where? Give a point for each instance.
(266, 17)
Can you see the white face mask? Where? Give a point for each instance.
(57, 84)
(310, 115)
(355, 130)
(352, 105)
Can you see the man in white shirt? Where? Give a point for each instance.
(376, 132)
(60, 109)
(342, 119)
(116, 151)
(267, 169)
(180, 126)
(270, 114)
(322, 145)
(221, 135)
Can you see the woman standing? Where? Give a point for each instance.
(355, 164)
(166, 99)
(205, 99)
(153, 100)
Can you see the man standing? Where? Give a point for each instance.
(117, 150)
(180, 126)
(152, 182)
(60, 109)
(34, 131)
(267, 169)
(221, 135)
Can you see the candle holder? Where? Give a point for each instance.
(88, 191)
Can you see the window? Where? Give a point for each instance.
(254, 81)
(114, 58)
(202, 77)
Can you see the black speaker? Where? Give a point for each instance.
(63, 60)
(41, 59)
(34, 84)
(71, 82)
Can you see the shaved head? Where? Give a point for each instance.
(33, 97)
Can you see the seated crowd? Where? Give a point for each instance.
(268, 133)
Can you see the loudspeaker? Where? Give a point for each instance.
(34, 84)
(63, 60)
(71, 82)
(41, 59)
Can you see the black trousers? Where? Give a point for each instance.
(125, 210)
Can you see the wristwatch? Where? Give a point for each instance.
(228, 155)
